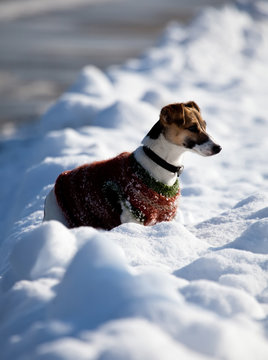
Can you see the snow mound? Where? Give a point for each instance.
(225, 301)
(166, 245)
(72, 110)
(194, 288)
(92, 82)
(150, 343)
(125, 114)
(254, 239)
(42, 252)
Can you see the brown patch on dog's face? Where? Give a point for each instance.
(184, 126)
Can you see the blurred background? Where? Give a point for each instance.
(45, 43)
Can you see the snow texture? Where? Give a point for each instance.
(193, 288)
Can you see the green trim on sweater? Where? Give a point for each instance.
(148, 180)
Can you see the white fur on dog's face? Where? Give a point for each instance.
(185, 127)
(207, 149)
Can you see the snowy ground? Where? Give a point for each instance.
(195, 288)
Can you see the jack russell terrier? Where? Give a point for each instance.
(139, 187)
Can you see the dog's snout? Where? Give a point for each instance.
(216, 149)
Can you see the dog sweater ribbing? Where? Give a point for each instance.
(93, 194)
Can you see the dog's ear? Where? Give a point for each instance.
(164, 116)
(173, 113)
(156, 130)
(192, 104)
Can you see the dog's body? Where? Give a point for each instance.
(138, 187)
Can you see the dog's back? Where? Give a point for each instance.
(97, 194)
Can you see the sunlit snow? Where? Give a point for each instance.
(193, 288)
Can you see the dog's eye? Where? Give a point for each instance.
(193, 128)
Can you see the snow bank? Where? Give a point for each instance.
(194, 288)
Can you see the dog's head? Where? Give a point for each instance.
(183, 125)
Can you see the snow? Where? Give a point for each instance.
(194, 288)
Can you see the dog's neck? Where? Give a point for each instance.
(171, 153)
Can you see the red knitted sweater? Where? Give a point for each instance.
(93, 194)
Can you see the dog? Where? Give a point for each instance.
(141, 186)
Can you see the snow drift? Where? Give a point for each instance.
(194, 288)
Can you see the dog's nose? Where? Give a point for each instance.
(216, 149)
